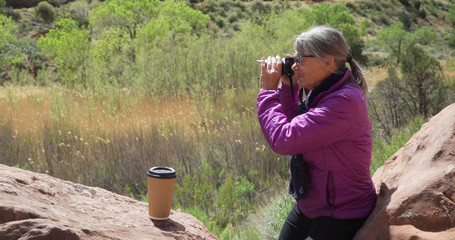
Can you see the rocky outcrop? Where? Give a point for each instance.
(33, 3)
(38, 206)
(416, 186)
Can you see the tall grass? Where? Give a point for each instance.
(225, 168)
(220, 155)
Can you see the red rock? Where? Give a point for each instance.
(416, 186)
(38, 206)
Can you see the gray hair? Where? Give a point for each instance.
(322, 41)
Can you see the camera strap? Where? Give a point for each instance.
(292, 88)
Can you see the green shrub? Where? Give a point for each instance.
(406, 19)
(405, 3)
(12, 13)
(260, 7)
(45, 11)
(383, 150)
(69, 47)
(79, 11)
(233, 17)
(452, 41)
(220, 21)
(423, 13)
(274, 216)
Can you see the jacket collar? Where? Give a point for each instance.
(333, 88)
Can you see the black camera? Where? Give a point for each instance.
(286, 65)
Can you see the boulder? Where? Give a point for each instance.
(416, 186)
(38, 206)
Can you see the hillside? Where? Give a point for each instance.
(227, 17)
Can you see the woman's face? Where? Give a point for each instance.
(311, 71)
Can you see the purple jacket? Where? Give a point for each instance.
(334, 138)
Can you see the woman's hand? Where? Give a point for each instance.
(270, 75)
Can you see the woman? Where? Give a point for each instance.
(327, 134)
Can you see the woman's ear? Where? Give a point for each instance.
(329, 62)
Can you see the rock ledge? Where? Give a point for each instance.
(38, 206)
(416, 186)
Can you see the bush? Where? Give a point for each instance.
(406, 19)
(260, 7)
(46, 11)
(405, 3)
(13, 14)
(80, 12)
(452, 42)
(423, 13)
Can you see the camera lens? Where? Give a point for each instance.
(287, 66)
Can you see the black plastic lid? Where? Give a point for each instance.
(162, 172)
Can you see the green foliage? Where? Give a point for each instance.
(110, 60)
(422, 75)
(124, 14)
(383, 150)
(12, 13)
(272, 217)
(32, 59)
(68, 46)
(339, 17)
(9, 57)
(2, 4)
(292, 22)
(420, 91)
(452, 41)
(398, 40)
(387, 106)
(7, 30)
(197, 64)
(45, 11)
(175, 20)
(451, 15)
(228, 16)
(80, 11)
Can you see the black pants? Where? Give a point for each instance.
(299, 226)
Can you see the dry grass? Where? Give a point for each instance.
(374, 75)
(216, 147)
(29, 108)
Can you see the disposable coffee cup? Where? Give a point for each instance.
(161, 182)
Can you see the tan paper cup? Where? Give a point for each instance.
(161, 182)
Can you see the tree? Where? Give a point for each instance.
(2, 4)
(387, 104)
(339, 17)
(422, 75)
(419, 92)
(7, 38)
(398, 40)
(124, 14)
(68, 46)
(176, 19)
(293, 22)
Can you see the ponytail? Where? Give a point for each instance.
(357, 75)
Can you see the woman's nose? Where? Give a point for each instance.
(294, 66)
